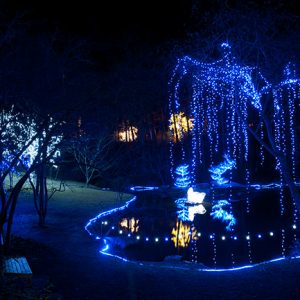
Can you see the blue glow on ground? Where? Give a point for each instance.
(106, 247)
(103, 251)
(247, 266)
(112, 255)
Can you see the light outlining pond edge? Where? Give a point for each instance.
(106, 213)
(139, 188)
(104, 250)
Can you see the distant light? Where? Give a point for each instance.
(138, 237)
(129, 235)
(223, 238)
(127, 134)
(199, 234)
(156, 239)
(166, 239)
(120, 231)
(271, 233)
(294, 226)
(211, 236)
(248, 237)
(146, 239)
(113, 227)
(259, 236)
(235, 238)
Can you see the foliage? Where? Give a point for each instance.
(26, 144)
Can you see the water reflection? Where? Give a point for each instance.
(149, 229)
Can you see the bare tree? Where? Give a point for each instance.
(93, 155)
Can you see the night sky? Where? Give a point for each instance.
(109, 21)
(139, 42)
(113, 33)
(145, 24)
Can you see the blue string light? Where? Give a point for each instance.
(106, 213)
(219, 212)
(219, 170)
(182, 176)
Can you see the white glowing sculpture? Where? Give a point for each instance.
(197, 209)
(194, 197)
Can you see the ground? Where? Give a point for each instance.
(65, 256)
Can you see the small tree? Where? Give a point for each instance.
(47, 146)
(92, 154)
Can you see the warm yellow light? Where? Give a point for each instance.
(130, 224)
(179, 125)
(182, 234)
(127, 135)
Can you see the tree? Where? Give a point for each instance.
(24, 144)
(93, 155)
(47, 145)
(225, 95)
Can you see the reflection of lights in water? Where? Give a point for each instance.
(197, 209)
(187, 212)
(181, 234)
(197, 199)
(219, 212)
(107, 213)
(138, 188)
(130, 224)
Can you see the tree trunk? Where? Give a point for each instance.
(42, 194)
(12, 202)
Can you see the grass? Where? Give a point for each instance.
(68, 211)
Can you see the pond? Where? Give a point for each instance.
(147, 228)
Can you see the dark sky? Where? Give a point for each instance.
(147, 21)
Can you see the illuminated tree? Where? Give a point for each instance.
(183, 179)
(25, 144)
(218, 171)
(47, 148)
(224, 97)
